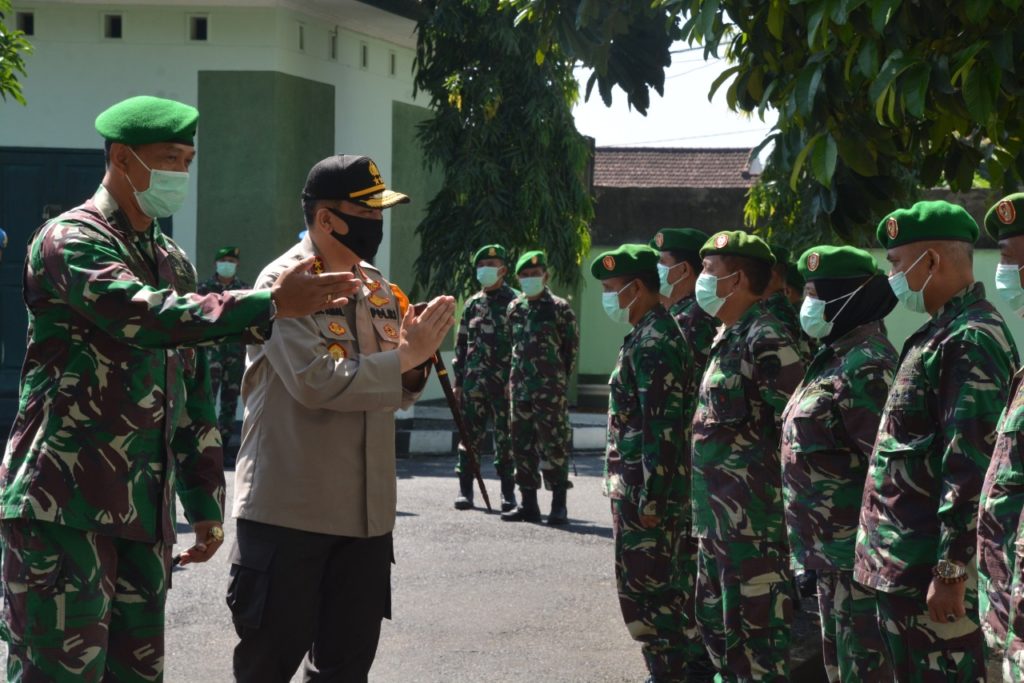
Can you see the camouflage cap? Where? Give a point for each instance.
(827, 261)
(1006, 217)
(934, 220)
(629, 259)
(531, 258)
(737, 243)
(490, 251)
(679, 239)
(225, 252)
(143, 120)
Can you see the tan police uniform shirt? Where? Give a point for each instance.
(318, 436)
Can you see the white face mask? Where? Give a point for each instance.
(227, 268)
(532, 286)
(666, 287)
(1009, 287)
(914, 301)
(812, 314)
(707, 293)
(610, 302)
(487, 276)
(166, 192)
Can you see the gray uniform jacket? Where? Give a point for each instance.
(318, 436)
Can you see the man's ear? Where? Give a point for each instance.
(119, 157)
(936, 260)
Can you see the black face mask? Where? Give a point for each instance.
(364, 234)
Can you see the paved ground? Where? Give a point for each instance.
(474, 599)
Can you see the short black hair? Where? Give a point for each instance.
(691, 257)
(310, 206)
(648, 279)
(758, 272)
(106, 152)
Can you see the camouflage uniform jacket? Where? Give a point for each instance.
(780, 306)
(934, 443)
(1002, 495)
(828, 431)
(545, 341)
(737, 479)
(215, 286)
(113, 417)
(647, 461)
(698, 330)
(483, 347)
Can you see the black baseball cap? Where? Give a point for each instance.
(350, 177)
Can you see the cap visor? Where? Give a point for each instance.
(384, 200)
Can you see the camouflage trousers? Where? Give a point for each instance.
(850, 641)
(541, 443)
(655, 574)
(480, 410)
(1013, 657)
(993, 614)
(920, 650)
(79, 606)
(227, 365)
(745, 608)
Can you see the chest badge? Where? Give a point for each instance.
(336, 328)
(337, 351)
(391, 331)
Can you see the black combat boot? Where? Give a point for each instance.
(465, 499)
(508, 494)
(558, 515)
(528, 511)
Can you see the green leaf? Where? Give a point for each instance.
(980, 89)
(798, 164)
(857, 154)
(867, 60)
(538, 57)
(977, 10)
(915, 89)
(720, 80)
(807, 88)
(814, 21)
(776, 18)
(823, 162)
(881, 11)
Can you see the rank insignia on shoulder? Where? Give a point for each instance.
(391, 331)
(373, 285)
(378, 300)
(337, 351)
(336, 328)
(318, 266)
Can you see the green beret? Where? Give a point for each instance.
(143, 120)
(826, 261)
(224, 252)
(490, 251)
(531, 258)
(679, 239)
(1006, 218)
(937, 220)
(737, 243)
(629, 259)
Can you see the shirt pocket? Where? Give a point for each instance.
(727, 403)
(811, 424)
(34, 611)
(337, 335)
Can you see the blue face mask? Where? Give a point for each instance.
(666, 287)
(707, 292)
(226, 268)
(532, 286)
(914, 301)
(487, 276)
(610, 301)
(1009, 287)
(166, 192)
(812, 314)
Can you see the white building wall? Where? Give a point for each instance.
(75, 73)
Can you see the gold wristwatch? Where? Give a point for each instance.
(949, 572)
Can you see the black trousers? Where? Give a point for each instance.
(298, 597)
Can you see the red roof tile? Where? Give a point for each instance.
(672, 167)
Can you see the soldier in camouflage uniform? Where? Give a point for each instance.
(227, 361)
(917, 541)
(744, 601)
(545, 341)
(828, 431)
(647, 468)
(679, 265)
(480, 371)
(114, 418)
(779, 303)
(1002, 494)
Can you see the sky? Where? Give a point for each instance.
(682, 118)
